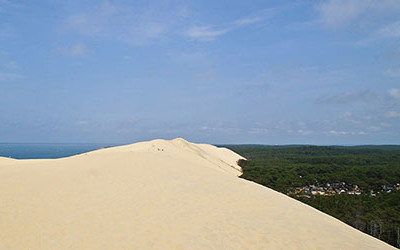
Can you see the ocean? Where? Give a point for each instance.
(46, 150)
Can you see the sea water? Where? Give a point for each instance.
(46, 150)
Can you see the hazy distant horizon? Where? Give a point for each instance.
(111, 144)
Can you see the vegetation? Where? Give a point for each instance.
(374, 170)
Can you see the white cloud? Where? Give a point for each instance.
(395, 93)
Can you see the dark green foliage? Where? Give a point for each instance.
(370, 167)
(378, 216)
(285, 167)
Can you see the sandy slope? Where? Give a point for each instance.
(158, 194)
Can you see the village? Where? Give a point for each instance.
(337, 188)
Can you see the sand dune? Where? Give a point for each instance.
(156, 195)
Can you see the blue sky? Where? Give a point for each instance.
(272, 72)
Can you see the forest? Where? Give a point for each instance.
(359, 185)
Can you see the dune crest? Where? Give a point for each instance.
(160, 194)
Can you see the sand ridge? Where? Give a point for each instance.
(160, 194)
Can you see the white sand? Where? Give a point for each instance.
(156, 195)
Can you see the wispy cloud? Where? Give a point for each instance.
(6, 31)
(391, 30)
(75, 50)
(393, 114)
(337, 13)
(375, 20)
(95, 22)
(395, 93)
(344, 133)
(347, 97)
(393, 72)
(9, 72)
(211, 32)
(134, 24)
(140, 25)
(247, 21)
(4, 4)
(207, 33)
(10, 77)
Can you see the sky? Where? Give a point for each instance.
(229, 71)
